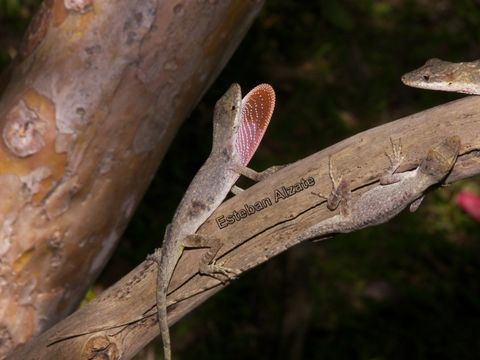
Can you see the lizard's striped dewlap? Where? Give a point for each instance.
(257, 110)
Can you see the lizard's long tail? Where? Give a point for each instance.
(162, 308)
(163, 321)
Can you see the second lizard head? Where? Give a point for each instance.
(436, 74)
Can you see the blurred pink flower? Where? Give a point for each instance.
(469, 202)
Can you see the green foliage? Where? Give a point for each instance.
(9, 8)
(89, 296)
(17, 11)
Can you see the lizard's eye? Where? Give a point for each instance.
(426, 77)
(233, 107)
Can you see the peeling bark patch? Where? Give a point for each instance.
(106, 162)
(56, 246)
(148, 135)
(81, 6)
(13, 198)
(6, 232)
(131, 27)
(33, 180)
(138, 23)
(5, 245)
(23, 132)
(22, 260)
(63, 143)
(61, 198)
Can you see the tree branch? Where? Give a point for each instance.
(128, 307)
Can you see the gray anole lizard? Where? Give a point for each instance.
(238, 127)
(436, 74)
(395, 192)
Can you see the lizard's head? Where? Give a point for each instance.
(239, 124)
(226, 119)
(442, 75)
(440, 159)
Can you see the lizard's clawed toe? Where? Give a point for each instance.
(221, 273)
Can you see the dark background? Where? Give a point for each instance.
(408, 289)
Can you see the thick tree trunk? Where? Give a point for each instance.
(90, 107)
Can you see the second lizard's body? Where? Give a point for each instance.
(395, 192)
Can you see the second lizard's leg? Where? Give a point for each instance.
(396, 159)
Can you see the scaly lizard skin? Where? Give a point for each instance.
(395, 192)
(238, 127)
(436, 74)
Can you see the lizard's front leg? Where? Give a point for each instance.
(253, 175)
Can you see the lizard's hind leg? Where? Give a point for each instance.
(207, 265)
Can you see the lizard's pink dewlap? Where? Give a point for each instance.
(257, 110)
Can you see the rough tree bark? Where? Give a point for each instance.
(91, 104)
(122, 320)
